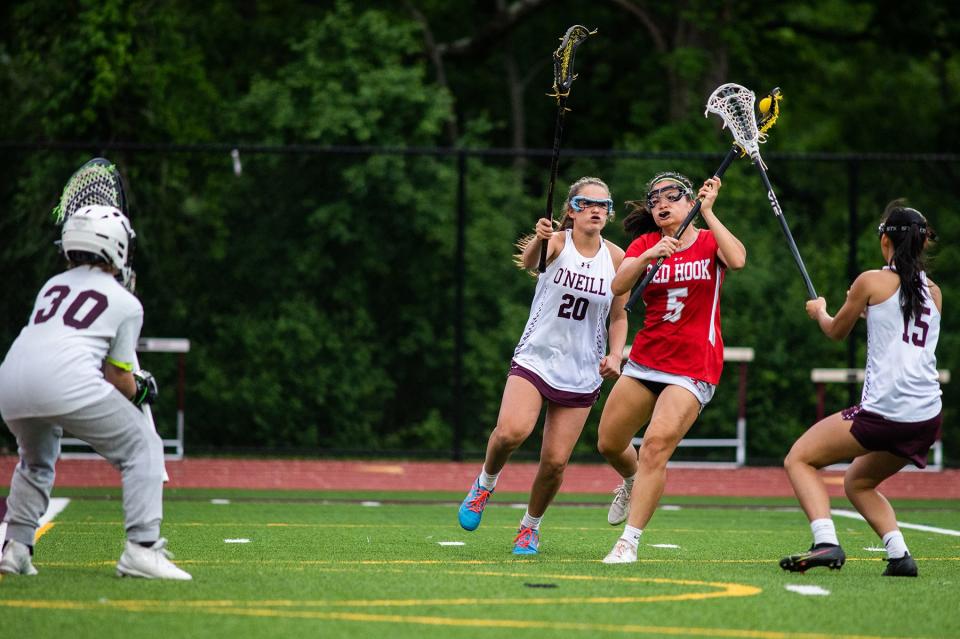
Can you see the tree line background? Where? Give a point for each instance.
(317, 286)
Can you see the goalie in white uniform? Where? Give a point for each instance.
(71, 369)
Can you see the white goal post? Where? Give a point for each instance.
(173, 447)
(742, 356)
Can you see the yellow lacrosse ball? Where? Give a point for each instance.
(764, 105)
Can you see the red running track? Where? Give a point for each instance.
(452, 476)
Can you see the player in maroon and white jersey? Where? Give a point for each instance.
(899, 416)
(562, 357)
(677, 356)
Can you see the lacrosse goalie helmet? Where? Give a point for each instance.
(105, 233)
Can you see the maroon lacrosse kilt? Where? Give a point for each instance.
(911, 440)
(551, 394)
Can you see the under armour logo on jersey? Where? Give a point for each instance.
(585, 264)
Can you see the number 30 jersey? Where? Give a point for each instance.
(681, 329)
(566, 333)
(81, 317)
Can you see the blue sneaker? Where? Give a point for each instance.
(471, 510)
(527, 542)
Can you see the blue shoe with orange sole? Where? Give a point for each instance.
(527, 542)
(471, 510)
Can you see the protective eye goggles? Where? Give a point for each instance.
(673, 193)
(581, 202)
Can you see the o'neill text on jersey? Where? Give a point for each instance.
(580, 282)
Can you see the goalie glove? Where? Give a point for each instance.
(147, 391)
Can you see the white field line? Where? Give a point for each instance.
(663, 545)
(807, 589)
(57, 504)
(933, 529)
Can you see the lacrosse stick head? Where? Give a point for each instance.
(563, 75)
(98, 183)
(735, 106)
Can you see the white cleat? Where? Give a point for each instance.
(149, 563)
(16, 559)
(623, 553)
(620, 507)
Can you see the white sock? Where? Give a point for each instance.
(631, 535)
(628, 483)
(824, 532)
(896, 546)
(529, 521)
(488, 481)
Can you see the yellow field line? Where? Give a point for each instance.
(442, 528)
(346, 565)
(43, 530)
(238, 608)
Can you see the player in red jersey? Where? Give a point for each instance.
(677, 356)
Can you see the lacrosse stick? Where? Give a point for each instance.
(767, 120)
(98, 182)
(563, 77)
(734, 104)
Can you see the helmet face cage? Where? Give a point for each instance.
(102, 231)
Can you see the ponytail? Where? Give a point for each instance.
(908, 231)
(639, 220)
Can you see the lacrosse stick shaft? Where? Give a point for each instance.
(727, 161)
(811, 294)
(554, 165)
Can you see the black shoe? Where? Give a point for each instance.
(819, 555)
(903, 567)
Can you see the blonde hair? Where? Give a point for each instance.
(566, 222)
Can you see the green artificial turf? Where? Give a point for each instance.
(329, 565)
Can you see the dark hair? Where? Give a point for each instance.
(639, 219)
(908, 230)
(77, 258)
